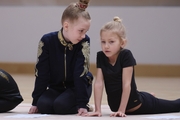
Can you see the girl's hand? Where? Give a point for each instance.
(82, 112)
(118, 114)
(33, 110)
(94, 114)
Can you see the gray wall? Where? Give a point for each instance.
(153, 32)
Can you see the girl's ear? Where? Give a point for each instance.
(124, 42)
(65, 26)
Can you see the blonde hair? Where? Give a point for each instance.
(76, 10)
(116, 27)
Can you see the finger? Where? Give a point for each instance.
(83, 114)
(93, 114)
(112, 115)
(86, 115)
(117, 114)
(79, 113)
(30, 111)
(36, 111)
(121, 115)
(99, 115)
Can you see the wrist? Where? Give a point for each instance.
(121, 110)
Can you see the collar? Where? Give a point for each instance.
(63, 42)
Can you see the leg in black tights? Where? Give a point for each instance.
(53, 102)
(153, 105)
(46, 101)
(66, 103)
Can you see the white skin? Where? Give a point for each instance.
(111, 45)
(73, 32)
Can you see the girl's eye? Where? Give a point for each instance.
(102, 41)
(111, 42)
(80, 31)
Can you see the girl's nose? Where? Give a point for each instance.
(83, 36)
(106, 45)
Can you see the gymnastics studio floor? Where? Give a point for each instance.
(167, 88)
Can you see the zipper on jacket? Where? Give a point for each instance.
(65, 67)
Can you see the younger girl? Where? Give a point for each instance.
(115, 70)
(63, 81)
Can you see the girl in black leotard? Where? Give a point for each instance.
(115, 70)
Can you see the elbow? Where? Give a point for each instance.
(98, 85)
(126, 88)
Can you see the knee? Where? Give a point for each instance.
(45, 107)
(60, 107)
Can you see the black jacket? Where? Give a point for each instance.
(61, 65)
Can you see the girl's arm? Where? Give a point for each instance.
(126, 88)
(98, 91)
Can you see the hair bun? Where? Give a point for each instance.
(84, 1)
(83, 4)
(117, 19)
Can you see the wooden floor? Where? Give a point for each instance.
(167, 88)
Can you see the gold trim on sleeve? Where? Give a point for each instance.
(41, 44)
(86, 53)
(3, 75)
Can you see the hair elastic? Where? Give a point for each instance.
(82, 6)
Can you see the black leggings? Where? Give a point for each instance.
(54, 102)
(6, 105)
(153, 105)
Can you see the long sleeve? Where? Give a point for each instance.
(80, 75)
(41, 71)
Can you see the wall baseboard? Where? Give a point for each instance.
(141, 70)
(18, 68)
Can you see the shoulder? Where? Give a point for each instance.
(100, 59)
(87, 38)
(127, 58)
(50, 36)
(125, 52)
(100, 53)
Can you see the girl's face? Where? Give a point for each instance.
(110, 44)
(75, 32)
